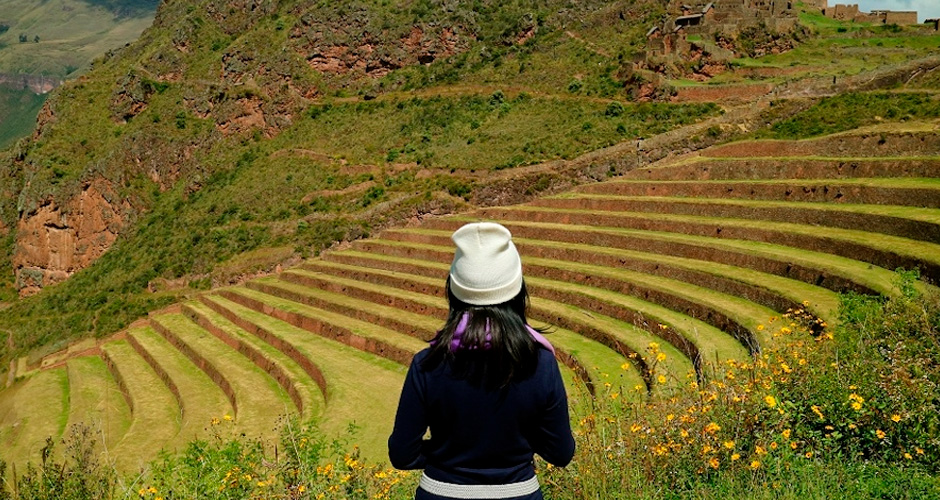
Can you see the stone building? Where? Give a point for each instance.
(850, 12)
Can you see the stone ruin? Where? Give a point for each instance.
(688, 32)
(844, 12)
(729, 17)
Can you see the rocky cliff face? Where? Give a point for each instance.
(55, 241)
(38, 84)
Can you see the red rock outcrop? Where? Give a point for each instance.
(55, 241)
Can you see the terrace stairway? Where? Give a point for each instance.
(645, 280)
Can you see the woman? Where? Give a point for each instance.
(488, 388)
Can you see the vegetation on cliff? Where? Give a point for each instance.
(346, 115)
(825, 413)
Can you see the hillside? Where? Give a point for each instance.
(170, 228)
(45, 42)
(210, 103)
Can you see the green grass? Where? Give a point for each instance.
(259, 398)
(824, 302)
(479, 132)
(360, 328)
(603, 364)
(202, 399)
(874, 277)
(308, 390)
(421, 321)
(361, 388)
(841, 48)
(71, 33)
(902, 212)
(156, 414)
(595, 357)
(746, 313)
(852, 110)
(18, 110)
(918, 250)
(675, 367)
(713, 344)
(32, 410)
(95, 400)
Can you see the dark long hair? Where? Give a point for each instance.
(486, 345)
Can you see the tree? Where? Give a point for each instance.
(22, 37)
(36, 39)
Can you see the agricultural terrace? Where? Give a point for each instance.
(670, 271)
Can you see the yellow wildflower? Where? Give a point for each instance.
(880, 433)
(895, 418)
(755, 464)
(818, 412)
(770, 400)
(735, 457)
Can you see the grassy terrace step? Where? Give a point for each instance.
(216, 305)
(923, 193)
(256, 397)
(682, 331)
(265, 357)
(581, 355)
(789, 168)
(96, 400)
(907, 222)
(623, 334)
(405, 313)
(771, 291)
(157, 415)
(713, 238)
(30, 411)
(198, 397)
(858, 143)
(306, 382)
(415, 314)
(727, 313)
(361, 386)
(417, 293)
(737, 316)
(362, 335)
(828, 271)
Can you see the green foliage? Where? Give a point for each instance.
(78, 476)
(479, 132)
(18, 110)
(852, 110)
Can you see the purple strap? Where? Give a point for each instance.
(540, 338)
(465, 321)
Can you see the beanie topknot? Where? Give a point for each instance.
(486, 269)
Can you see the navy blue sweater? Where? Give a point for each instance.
(480, 436)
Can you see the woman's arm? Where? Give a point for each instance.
(404, 445)
(555, 442)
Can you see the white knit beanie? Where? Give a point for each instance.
(486, 269)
